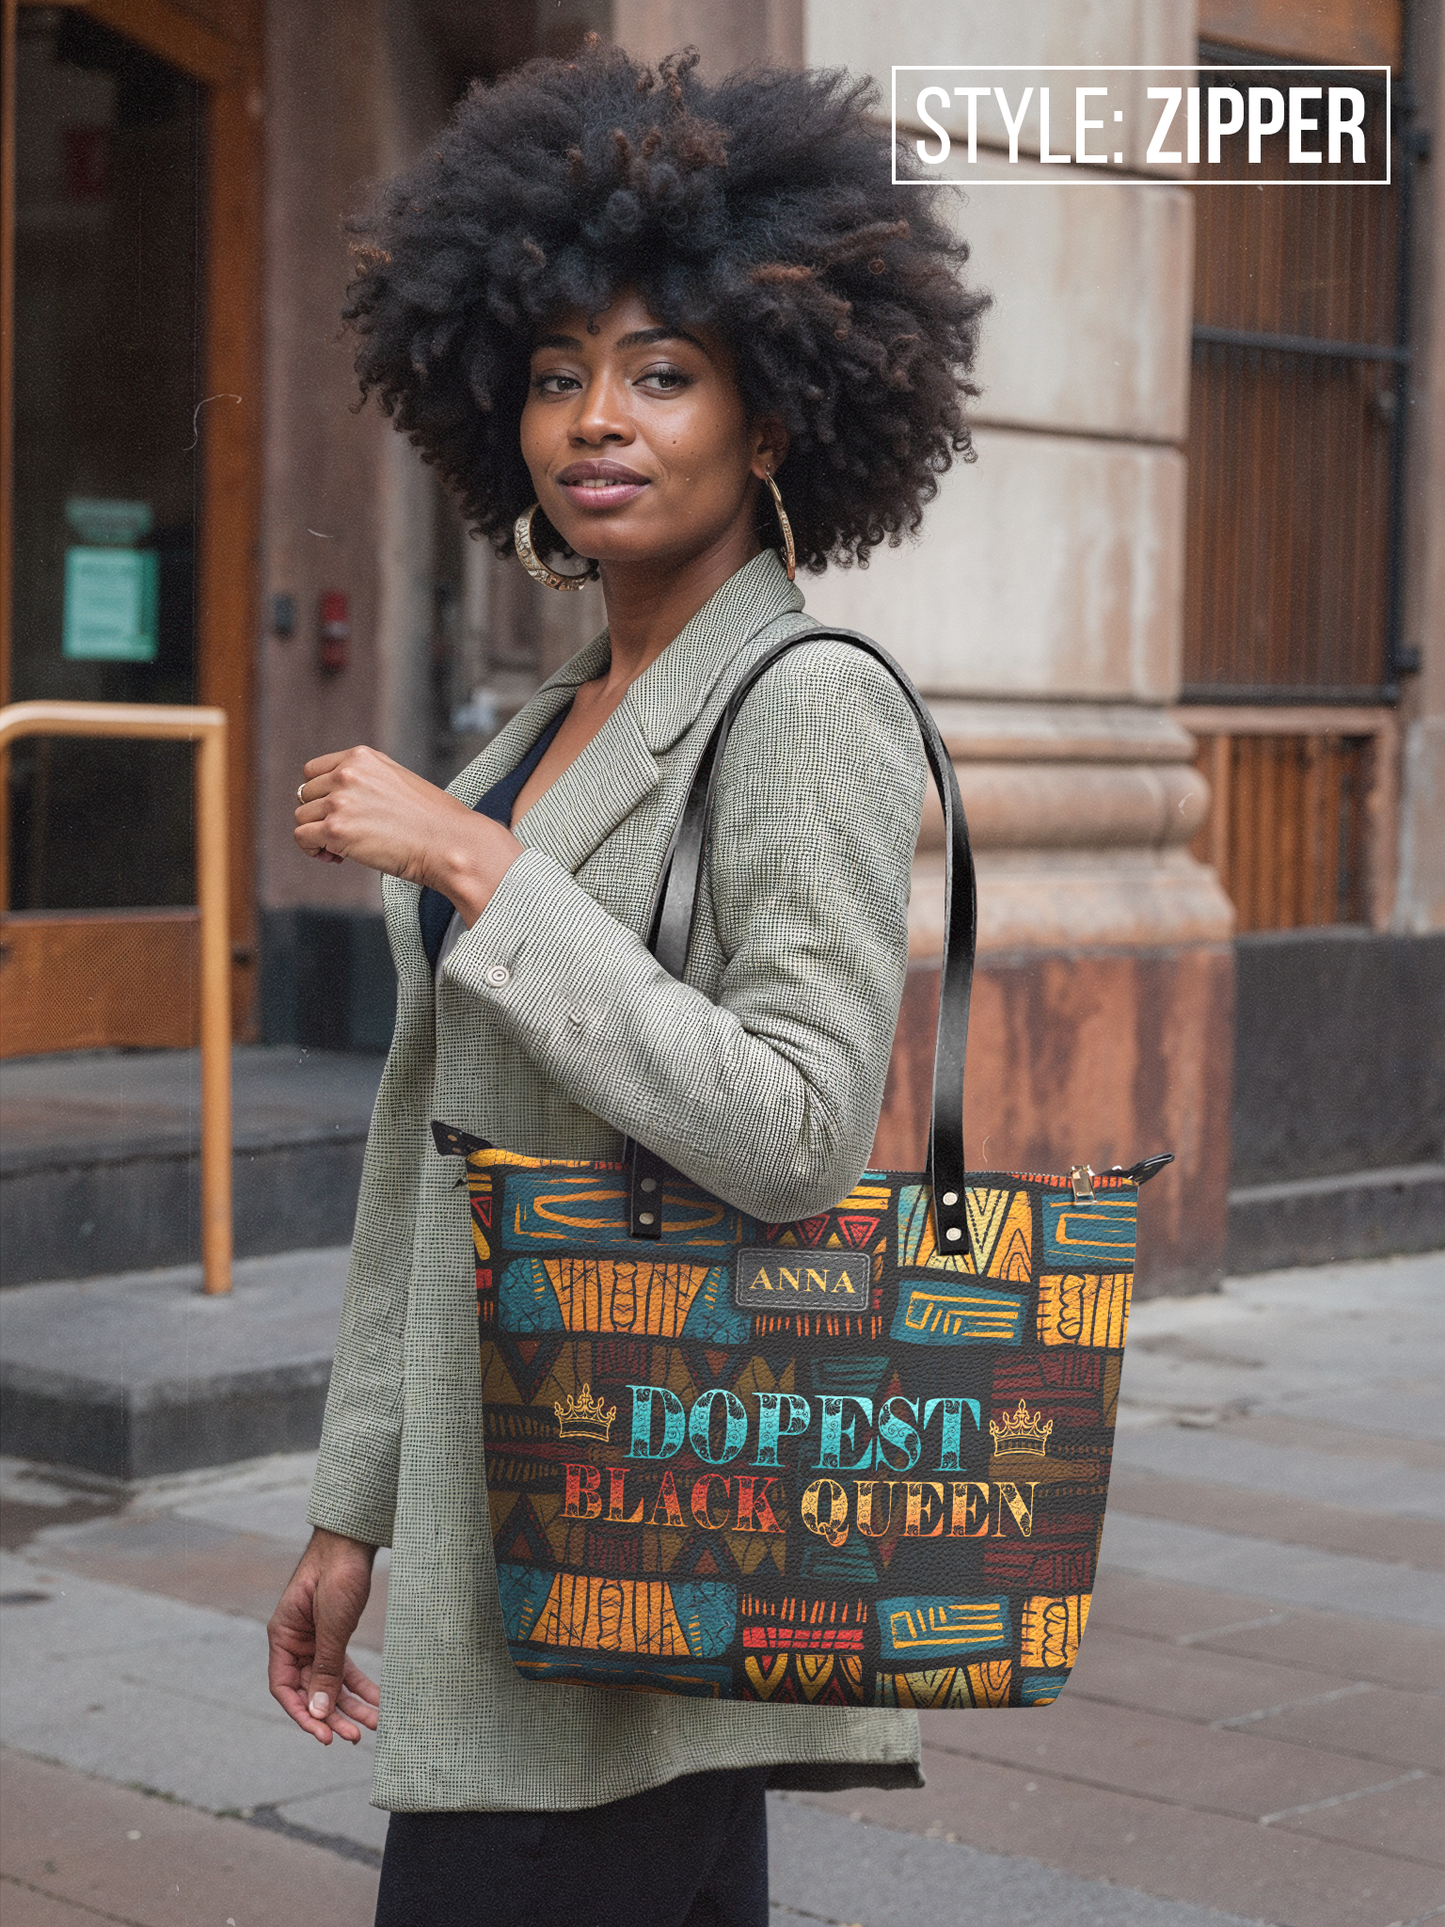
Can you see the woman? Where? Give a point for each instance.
(632, 301)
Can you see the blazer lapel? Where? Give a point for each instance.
(669, 697)
(514, 739)
(589, 799)
(619, 766)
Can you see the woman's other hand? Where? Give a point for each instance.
(311, 1674)
(358, 803)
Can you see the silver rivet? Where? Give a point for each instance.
(649, 1184)
(499, 975)
(950, 1197)
(953, 1232)
(644, 1217)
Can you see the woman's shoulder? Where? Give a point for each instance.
(828, 729)
(834, 684)
(822, 779)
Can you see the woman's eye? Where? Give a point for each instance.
(668, 380)
(554, 384)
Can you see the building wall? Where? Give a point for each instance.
(727, 36)
(1420, 902)
(1040, 613)
(351, 92)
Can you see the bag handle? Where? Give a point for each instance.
(675, 908)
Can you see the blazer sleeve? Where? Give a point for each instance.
(770, 1096)
(354, 1490)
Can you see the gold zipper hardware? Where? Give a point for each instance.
(1081, 1176)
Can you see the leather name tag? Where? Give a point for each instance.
(778, 1277)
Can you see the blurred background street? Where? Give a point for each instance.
(1253, 1731)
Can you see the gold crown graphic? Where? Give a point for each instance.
(1022, 1431)
(585, 1417)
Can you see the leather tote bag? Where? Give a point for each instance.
(857, 1460)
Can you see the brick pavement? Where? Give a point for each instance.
(75, 1849)
(1254, 1724)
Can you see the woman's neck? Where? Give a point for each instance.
(648, 603)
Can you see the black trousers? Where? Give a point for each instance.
(692, 1853)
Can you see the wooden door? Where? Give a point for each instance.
(131, 410)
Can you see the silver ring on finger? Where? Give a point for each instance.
(301, 792)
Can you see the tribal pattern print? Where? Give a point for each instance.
(814, 1463)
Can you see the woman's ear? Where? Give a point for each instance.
(770, 447)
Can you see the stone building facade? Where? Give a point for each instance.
(1042, 612)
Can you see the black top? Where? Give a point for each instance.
(436, 911)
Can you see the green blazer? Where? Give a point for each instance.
(554, 1033)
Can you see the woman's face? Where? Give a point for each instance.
(638, 442)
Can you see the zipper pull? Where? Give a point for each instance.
(1141, 1172)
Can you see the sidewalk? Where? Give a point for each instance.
(1254, 1725)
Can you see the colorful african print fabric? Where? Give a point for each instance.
(815, 1462)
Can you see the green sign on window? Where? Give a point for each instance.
(110, 605)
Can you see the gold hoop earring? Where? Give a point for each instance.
(790, 554)
(533, 563)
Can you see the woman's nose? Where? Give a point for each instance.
(601, 412)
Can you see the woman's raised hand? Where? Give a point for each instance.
(311, 1674)
(358, 803)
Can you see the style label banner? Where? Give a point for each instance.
(1256, 124)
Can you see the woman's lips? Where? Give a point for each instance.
(600, 495)
(600, 485)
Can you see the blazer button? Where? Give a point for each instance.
(499, 975)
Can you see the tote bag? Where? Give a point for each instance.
(860, 1459)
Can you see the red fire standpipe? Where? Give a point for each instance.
(335, 631)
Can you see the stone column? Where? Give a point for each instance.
(1041, 613)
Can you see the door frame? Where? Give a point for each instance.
(219, 44)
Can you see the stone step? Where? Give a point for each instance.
(138, 1375)
(100, 1156)
(1352, 1214)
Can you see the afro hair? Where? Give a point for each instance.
(761, 206)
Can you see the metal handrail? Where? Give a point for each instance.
(207, 729)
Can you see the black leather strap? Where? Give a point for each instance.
(676, 907)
